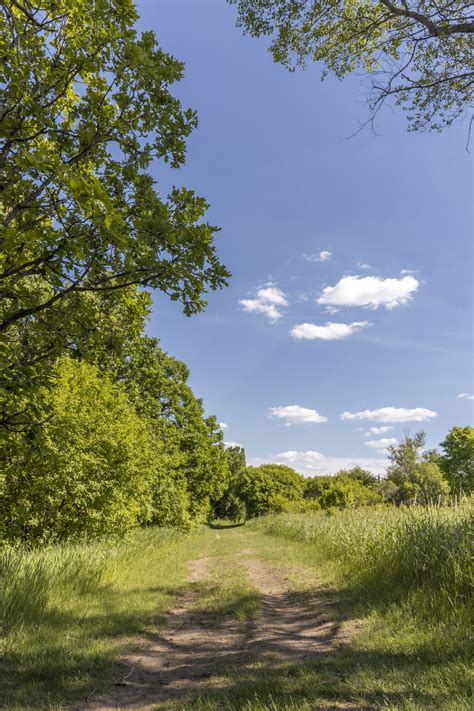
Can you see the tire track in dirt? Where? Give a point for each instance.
(195, 652)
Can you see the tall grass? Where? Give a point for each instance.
(394, 549)
(67, 609)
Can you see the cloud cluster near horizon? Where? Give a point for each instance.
(381, 445)
(297, 415)
(311, 462)
(392, 414)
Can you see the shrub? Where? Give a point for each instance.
(268, 488)
(86, 470)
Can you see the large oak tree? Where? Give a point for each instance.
(85, 111)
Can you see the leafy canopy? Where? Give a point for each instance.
(86, 109)
(418, 52)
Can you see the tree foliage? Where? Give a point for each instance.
(87, 471)
(86, 108)
(412, 477)
(268, 488)
(122, 441)
(229, 504)
(458, 460)
(419, 53)
(344, 490)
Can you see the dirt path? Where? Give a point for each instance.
(194, 651)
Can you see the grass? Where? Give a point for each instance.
(67, 610)
(390, 551)
(227, 594)
(396, 581)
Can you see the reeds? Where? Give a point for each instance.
(406, 548)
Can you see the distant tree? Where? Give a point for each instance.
(341, 491)
(457, 463)
(414, 478)
(235, 457)
(404, 458)
(229, 504)
(433, 487)
(315, 486)
(363, 475)
(416, 52)
(268, 488)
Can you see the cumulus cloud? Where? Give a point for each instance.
(466, 396)
(297, 415)
(223, 425)
(310, 462)
(329, 332)
(323, 256)
(232, 444)
(268, 300)
(392, 414)
(377, 430)
(363, 265)
(369, 291)
(381, 444)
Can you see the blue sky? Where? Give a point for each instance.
(271, 156)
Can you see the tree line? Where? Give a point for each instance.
(413, 476)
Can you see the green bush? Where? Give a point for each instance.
(341, 491)
(86, 470)
(268, 488)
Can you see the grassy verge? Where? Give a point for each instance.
(403, 579)
(67, 610)
(397, 582)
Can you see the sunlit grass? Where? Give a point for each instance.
(66, 611)
(397, 582)
(227, 594)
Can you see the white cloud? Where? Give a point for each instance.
(369, 291)
(310, 462)
(232, 444)
(323, 256)
(268, 300)
(407, 271)
(330, 332)
(297, 415)
(363, 265)
(465, 396)
(223, 425)
(392, 414)
(377, 430)
(381, 444)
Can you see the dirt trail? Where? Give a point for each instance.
(195, 652)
